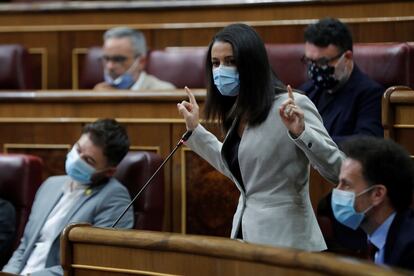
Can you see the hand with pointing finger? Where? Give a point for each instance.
(189, 110)
(292, 115)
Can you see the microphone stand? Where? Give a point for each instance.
(184, 138)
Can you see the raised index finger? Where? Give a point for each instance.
(290, 93)
(190, 96)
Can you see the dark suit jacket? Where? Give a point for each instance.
(7, 229)
(399, 246)
(355, 109)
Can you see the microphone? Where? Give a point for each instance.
(184, 138)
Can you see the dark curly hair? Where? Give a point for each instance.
(329, 31)
(109, 135)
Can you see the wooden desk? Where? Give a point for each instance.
(95, 251)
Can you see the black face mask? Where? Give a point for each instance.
(322, 76)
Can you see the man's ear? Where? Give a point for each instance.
(379, 194)
(142, 62)
(349, 54)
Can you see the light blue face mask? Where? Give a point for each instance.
(77, 168)
(124, 81)
(342, 203)
(226, 79)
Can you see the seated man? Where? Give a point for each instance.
(88, 193)
(375, 192)
(347, 99)
(124, 59)
(7, 228)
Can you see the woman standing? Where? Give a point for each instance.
(271, 137)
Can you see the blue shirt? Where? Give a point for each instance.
(379, 237)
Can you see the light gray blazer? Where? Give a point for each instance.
(275, 208)
(101, 208)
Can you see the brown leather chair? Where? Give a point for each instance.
(411, 60)
(134, 171)
(15, 70)
(386, 63)
(20, 177)
(91, 71)
(182, 66)
(285, 60)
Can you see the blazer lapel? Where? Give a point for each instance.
(225, 148)
(86, 195)
(391, 240)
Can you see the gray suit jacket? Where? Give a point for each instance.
(275, 208)
(101, 208)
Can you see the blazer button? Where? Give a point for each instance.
(309, 145)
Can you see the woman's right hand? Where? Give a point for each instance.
(189, 110)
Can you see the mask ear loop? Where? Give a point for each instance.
(134, 65)
(363, 192)
(128, 71)
(339, 60)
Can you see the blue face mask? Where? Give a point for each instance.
(342, 203)
(226, 79)
(124, 81)
(77, 168)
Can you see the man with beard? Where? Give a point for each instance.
(347, 99)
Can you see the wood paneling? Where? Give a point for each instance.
(59, 31)
(209, 199)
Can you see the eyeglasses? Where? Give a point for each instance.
(320, 61)
(114, 59)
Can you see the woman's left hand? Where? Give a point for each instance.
(292, 115)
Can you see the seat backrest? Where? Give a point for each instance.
(15, 69)
(411, 61)
(133, 172)
(285, 60)
(20, 177)
(386, 63)
(182, 66)
(91, 71)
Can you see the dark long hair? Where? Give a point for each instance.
(257, 80)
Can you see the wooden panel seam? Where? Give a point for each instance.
(194, 25)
